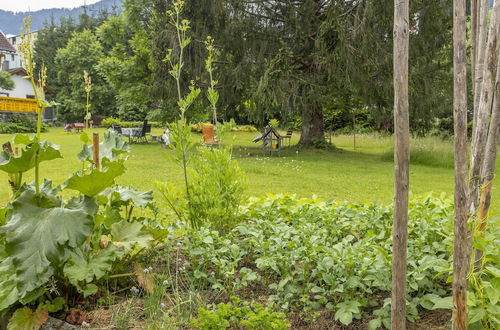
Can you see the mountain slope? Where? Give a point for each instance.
(11, 23)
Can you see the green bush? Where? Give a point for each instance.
(244, 128)
(110, 121)
(12, 128)
(217, 187)
(198, 126)
(237, 314)
(234, 128)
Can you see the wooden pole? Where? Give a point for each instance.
(483, 115)
(481, 26)
(474, 7)
(489, 164)
(460, 255)
(95, 149)
(401, 164)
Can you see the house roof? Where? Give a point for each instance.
(18, 71)
(5, 45)
(23, 73)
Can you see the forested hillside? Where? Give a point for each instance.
(10, 22)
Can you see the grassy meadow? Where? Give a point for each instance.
(361, 175)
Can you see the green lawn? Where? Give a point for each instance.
(343, 174)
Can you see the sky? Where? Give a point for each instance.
(34, 5)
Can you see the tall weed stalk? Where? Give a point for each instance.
(180, 130)
(27, 50)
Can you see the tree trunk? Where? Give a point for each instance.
(401, 164)
(312, 124)
(488, 169)
(484, 108)
(474, 10)
(460, 254)
(481, 33)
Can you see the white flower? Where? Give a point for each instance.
(85, 324)
(165, 282)
(212, 274)
(163, 306)
(134, 290)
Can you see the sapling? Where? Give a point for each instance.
(180, 130)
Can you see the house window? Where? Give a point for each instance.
(13, 57)
(30, 97)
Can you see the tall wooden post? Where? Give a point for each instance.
(460, 255)
(401, 164)
(95, 149)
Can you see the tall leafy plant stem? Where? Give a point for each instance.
(181, 130)
(181, 37)
(88, 88)
(26, 48)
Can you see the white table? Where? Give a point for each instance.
(131, 132)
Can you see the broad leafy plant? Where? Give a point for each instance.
(49, 244)
(311, 254)
(238, 314)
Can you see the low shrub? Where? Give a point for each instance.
(108, 122)
(239, 314)
(217, 186)
(244, 128)
(233, 127)
(13, 128)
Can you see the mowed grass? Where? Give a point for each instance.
(361, 175)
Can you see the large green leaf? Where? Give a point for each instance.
(24, 318)
(129, 235)
(83, 267)
(124, 195)
(8, 289)
(111, 148)
(27, 158)
(36, 235)
(97, 180)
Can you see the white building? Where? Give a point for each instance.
(15, 61)
(10, 62)
(23, 88)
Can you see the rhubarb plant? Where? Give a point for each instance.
(48, 243)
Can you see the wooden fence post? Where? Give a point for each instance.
(460, 263)
(95, 149)
(401, 164)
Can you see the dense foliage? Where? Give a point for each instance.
(81, 53)
(310, 64)
(308, 254)
(80, 240)
(6, 81)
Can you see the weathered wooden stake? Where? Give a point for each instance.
(483, 116)
(460, 255)
(488, 169)
(95, 149)
(401, 164)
